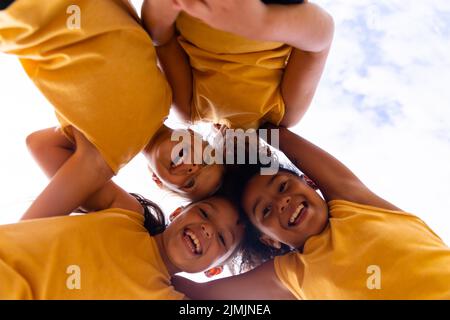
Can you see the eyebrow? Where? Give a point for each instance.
(272, 180)
(211, 205)
(258, 200)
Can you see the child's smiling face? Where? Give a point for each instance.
(284, 209)
(167, 160)
(204, 235)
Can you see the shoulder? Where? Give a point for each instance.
(345, 208)
(354, 191)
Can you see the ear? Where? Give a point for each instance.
(155, 178)
(213, 271)
(176, 213)
(268, 241)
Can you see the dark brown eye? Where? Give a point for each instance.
(266, 211)
(204, 213)
(283, 187)
(222, 239)
(190, 184)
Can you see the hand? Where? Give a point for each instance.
(159, 19)
(88, 150)
(242, 17)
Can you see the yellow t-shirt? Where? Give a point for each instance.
(107, 255)
(236, 81)
(369, 253)
(96, 65)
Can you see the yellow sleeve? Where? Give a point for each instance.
(12, 285)
(100, 75)
(288, 269)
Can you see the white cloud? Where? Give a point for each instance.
(383, 105)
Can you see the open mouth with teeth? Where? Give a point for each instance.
(192, 242)
(299, 213)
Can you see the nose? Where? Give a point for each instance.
(207, 231)
(192, 168)
(284, 203)
(186, 169)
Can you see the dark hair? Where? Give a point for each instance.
(5, 4)
(154, 222)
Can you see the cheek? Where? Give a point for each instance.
(160, 170)
(273, 230)
(208, 261)
(216, 255)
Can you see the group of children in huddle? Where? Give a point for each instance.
(238, 64)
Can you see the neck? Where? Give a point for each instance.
(171, 268)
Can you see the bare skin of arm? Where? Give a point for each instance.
(300, 80)
(260, 283)
(79, 175)
(306, 27)
(334, 179)
(158, 18)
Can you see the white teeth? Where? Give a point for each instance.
(296, 213)
(195, 240)
(189, 243)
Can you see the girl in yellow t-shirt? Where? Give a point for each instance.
(240, 63)
(352, 245)
(97, 66)
(109, 254)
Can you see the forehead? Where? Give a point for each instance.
(222, 207)
(217, 206)
(258, 186)
(260, 183)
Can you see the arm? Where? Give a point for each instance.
(260, 283)
(305, 67)
(334, 179)
(300, 80)
(304, 26)
(76, 176)
(159, 20)
(51, 149)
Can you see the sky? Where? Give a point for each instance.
(382, 107)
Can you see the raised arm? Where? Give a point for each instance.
(304, 26)
(334, 179)
(52, 151)
(159, 17)
(259, 284)
(309, 29)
